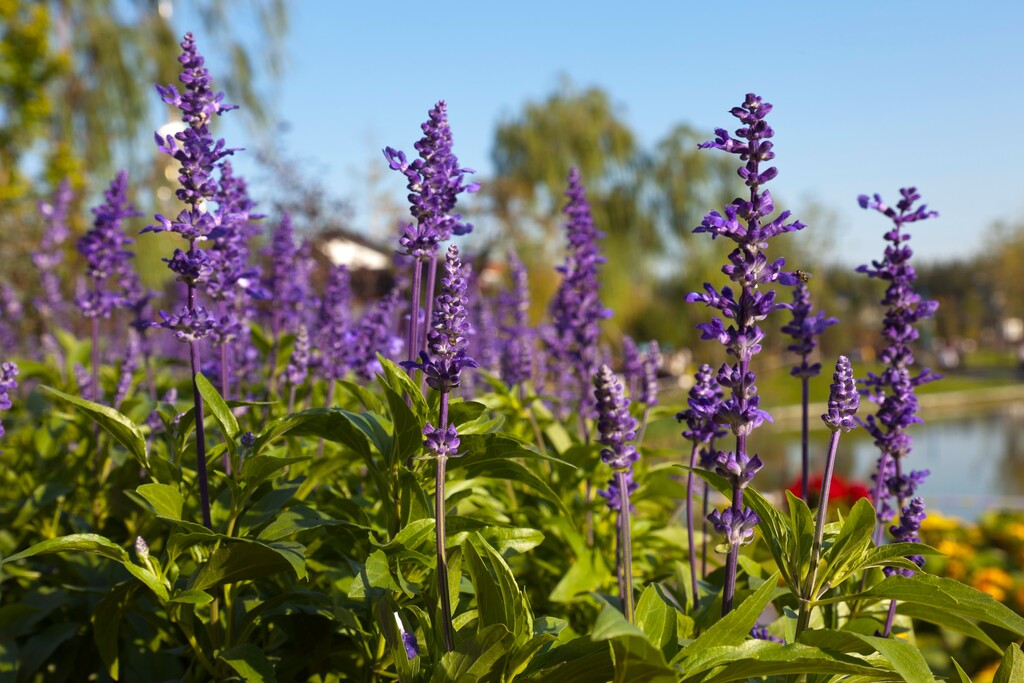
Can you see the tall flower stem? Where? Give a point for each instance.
(447, 630)
(201, 474)
(805, 457)
(819, 532)
(96, 360)
(413, 348)
(625, 545)
(431, 285)
(843, 403)
(689, 525)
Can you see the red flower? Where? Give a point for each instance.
(840, 493)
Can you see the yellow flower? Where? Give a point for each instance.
(994, 581)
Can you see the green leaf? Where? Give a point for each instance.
(758, 658)
(635, 658)
(218, 408)
(106, 621)
(849, 549)
(948, 621)
(250, 663)
(734, 627)
(296, 519)
(942, 594)
(366, 398)
(656, 616)
(581, 660)
(248, 560)
(499, 599)
(1011, 670)
(121, 428)
(480, 657)
(166, 500)
(905, 658)
(964, 678)
(397, 379)
(407, 441)
(259, 468)
(97, 545)
(192, 597)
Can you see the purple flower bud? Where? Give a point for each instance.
(737, 529)
(805, 328)
(441, 442)
(412, 648)
(739, 469)
(615, 426)
(142, 549)
(843, 398)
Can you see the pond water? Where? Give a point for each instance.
(976, 461)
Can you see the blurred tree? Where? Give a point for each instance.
(77, 98)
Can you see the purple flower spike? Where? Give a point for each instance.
(109, 267)
(435, 182)
(705, 397)
(748, 223)
(908, 532)
(894, 388)
(441, 442)
(516, 335)
(613, 495)
(650, 363)
(805, 328)
(843, 398)
(738, 469)
(576, 308)
(615, 425)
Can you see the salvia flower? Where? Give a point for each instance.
(805, 328)
(650, 364)
(335, 323)
(50, 255)
(576, 308)
(516, 335)
(373, 334)
(632, 364)
(760, 632)
(8, 371)
(615, 426)
(298, 364)
(894, 388)
(108, 261)
(613, 496)
(908, 531)
(435, 181)
(749, 223)
(843, 398)
(441, 441)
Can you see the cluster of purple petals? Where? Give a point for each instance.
(128, 367)
(199, 157)
(113, 282)
(10, 316)
(435, 181)
(447, 353)
(516, 360)
(287, 285)
(737, 528)
(703, 401)
(375, 333)
(194, 147)
(441, 442)
(894, 388)
(484, 344)
(335, 323)
(616, 428)
(805, 328)
(650, 364)
(297, 369)
(632, 364)
(907, 531)
(761, 633)
(8, 371)
(50, 255)
(576, 308)
(233, 282)
(843, 398)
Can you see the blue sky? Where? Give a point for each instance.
(868, 96)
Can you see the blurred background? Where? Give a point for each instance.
(869, 97)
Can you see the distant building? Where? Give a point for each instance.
(369, 262)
